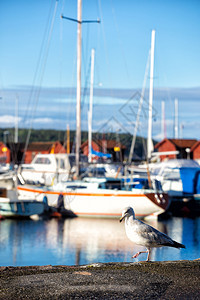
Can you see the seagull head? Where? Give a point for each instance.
(127, 212)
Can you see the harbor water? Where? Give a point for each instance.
(81, 241)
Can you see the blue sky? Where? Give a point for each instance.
(39, 68)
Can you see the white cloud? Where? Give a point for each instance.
(158, 137)
(44, 120)
(9, 120)
(56, 108)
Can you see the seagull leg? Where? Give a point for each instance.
(148, 251)
(138, 253)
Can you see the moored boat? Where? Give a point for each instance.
(100, 197)
(12, 207)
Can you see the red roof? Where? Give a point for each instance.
(195, 146)
(179, 143)
(110, 144)
(40, 146)
(183, 143)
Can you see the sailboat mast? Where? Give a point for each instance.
(163, 124)
(139, 111)
(78, 88)
(78, 91)
(90, 108)
(68, 139)
(16, 120)
(176, 119)
(149, 139)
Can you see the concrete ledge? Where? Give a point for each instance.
(141, 280)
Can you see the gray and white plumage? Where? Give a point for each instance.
(145, 235)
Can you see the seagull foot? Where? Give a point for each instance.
(138, 253)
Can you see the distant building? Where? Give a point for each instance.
(195, 149)
(42, 148)
(185, 147)
(4, 154)
(112, 147)
(85, 147)
(14, 152)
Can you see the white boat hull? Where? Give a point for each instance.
(101, 203)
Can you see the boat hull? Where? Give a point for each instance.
(102, 203)
(20, 209)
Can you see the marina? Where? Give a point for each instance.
(81, 241)
(137, 125)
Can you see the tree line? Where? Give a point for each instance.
(46, 135)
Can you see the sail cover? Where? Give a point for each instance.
(100, 154)
(187, 177)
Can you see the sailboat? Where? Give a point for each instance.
(97, 197)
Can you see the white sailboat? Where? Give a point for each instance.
(97, 197)
(100, 197)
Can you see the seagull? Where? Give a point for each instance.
(145, 235)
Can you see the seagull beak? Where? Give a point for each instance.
(121, 219)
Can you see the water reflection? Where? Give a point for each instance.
(84, 241)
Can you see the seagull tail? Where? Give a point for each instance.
(177, 245)
(174, 244)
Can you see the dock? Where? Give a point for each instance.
(137, 280)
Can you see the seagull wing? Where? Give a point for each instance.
(155, 238)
